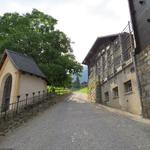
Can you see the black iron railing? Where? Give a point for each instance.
(21, 105)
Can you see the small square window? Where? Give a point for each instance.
(128, 86)
(116, 42)
(141, 2)
(106, 96)
(115, 92)
(108, 47)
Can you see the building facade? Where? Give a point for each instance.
(140, 16)
(112, 73)
(19, 75)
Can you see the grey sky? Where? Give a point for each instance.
(82, 20)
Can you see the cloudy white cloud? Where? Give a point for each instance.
(82, 20)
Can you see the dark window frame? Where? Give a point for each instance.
(106, 96)
(116, 92)
(128, 87)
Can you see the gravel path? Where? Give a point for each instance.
(77, 125)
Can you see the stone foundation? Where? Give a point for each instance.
(143, 68)
(94, 90)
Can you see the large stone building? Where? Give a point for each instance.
(19, 75)
(112, 73)
(140, 15)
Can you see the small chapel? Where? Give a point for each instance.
(19, 75)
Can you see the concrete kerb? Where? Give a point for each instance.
(134, 117)
(138, 118)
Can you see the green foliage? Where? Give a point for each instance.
(59, 90)
(76, 83)
(35, 35)
(83, 90)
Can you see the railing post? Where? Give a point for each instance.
(17, 107)
(5, 107)
(33, 102)
(27, 99)
(39, 95)
(33, 96)
(47, 95)
(43, 95)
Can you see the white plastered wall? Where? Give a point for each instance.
(29, 84)
(8, 68)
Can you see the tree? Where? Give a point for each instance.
(76, 83)
(35, 34)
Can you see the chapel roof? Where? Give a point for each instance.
(23, 63)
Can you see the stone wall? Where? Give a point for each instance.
(127, 101)
(94, 89)
(143, 68)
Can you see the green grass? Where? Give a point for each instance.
(62, 91)
(82, 90)
(59, 90)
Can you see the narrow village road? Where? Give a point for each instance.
(78, 125)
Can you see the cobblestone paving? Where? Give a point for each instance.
(77, 125)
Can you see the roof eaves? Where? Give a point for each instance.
(2, 60)
(91, 50)
(8, 54)
(44, 77)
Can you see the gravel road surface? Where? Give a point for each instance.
(78, 125)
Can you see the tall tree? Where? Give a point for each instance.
(76, 83)
(35, 34)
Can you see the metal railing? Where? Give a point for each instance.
(128, 42)
(21, 105)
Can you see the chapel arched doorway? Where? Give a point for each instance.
(6, 93)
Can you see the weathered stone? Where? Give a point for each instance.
(143, 67)
(147, 99)
(146, 76)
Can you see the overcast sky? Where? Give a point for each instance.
(82, 20)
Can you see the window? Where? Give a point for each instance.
(115, 92)
(108, 47)
(106, 96)
(117, 61)
(116, 42)
(132, 69)
(126, 54)
(103, 50)
(127, 46)
(141, 2)
(99, 54)
(128, 86)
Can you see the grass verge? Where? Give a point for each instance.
(83, 90)
(59, 90)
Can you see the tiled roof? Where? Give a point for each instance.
(24, 63)
(99, 41)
